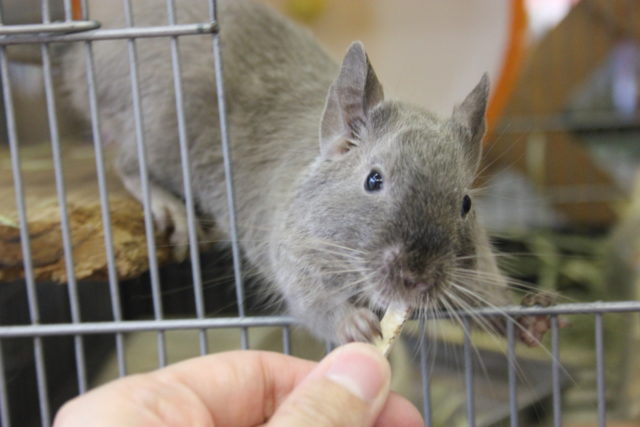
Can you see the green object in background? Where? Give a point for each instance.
(305, 10)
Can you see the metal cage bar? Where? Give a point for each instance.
(511, 367)
(67, 10)
(144, 184)
(40, 34)
(424, 374)
(228, 175)
(468, 374)
(103, 191)
(128, 326)
(72, 285)
(4, 400)
(36, 330)
(50, 29)
(286, 340)
(555, 372)
(602, 405)
(54, 134)
(186, 178)
(32, 296)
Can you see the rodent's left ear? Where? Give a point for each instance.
(352, 95)
(470, 116)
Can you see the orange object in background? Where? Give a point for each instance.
(76, 8)
(511, 63)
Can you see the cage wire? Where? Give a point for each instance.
(49, 354)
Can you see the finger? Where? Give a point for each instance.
(237, 388)
(348, 388)
(398, 411)
(199, 392)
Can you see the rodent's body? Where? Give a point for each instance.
(274, 101)
(332, 250)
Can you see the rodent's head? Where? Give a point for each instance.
(385, 212)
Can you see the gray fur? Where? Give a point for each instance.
(352, 95)
(306, 223)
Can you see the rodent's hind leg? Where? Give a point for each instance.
(360, 324)
(169, 213)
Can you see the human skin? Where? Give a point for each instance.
(349, 387)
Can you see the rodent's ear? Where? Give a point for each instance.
(470, 116)
(352, 95)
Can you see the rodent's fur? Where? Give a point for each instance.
(305, 134)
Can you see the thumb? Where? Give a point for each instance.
(349, 387)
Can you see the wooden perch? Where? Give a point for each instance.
(554, 70)
(127, 220)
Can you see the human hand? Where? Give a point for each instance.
(349, 387)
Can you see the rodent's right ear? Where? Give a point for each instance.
(470, 116)
(351, 96)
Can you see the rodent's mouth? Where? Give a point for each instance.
(420, 287)
(413, 294)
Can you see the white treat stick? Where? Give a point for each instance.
(391, 325)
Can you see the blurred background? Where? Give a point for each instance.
(560, 193)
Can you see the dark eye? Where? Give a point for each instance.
(466, 205)
(373, 182)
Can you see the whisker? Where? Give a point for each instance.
(509, 317)
(492, 332)
(489, 280)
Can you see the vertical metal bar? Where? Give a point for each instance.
(72, 285)
(25, 242)
(144, 182)
(228, 175)
(67, 10)
(424, 374)
(104, 203)
(555, 372)
(286, 340)
(186, 178)
(468, 374)
(4, 402)
(213, 10)
(602, 408)
(41, 376)
(104, 198)
(44, 10)
(511, 362)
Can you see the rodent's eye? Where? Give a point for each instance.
(374, 181)
(466, 205)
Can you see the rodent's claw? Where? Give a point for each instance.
(533, 298)
(533, 327)
(170, 217)
(361, 325)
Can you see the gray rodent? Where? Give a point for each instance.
(345, 201)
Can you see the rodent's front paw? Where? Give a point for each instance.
(360, 325)
(533, 327)
(170, 216)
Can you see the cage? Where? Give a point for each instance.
(89, 291)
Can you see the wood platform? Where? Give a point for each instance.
(43, 213)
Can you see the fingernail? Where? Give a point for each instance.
(358, 372)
